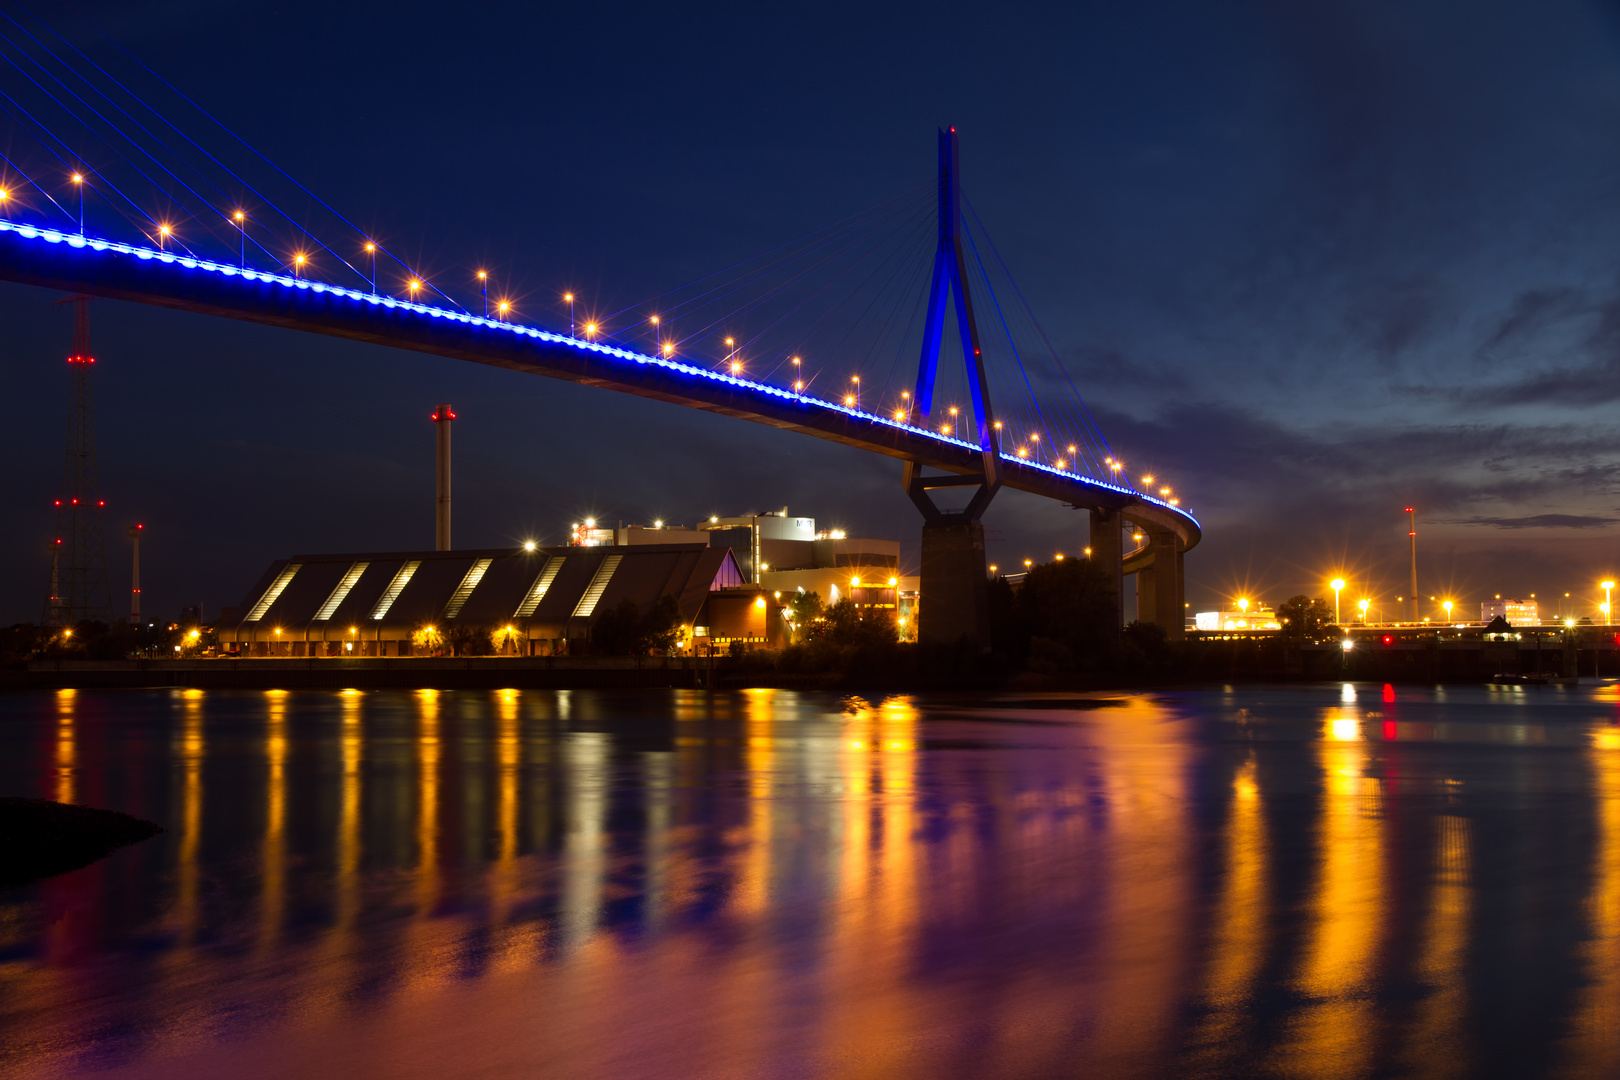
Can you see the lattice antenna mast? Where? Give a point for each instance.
(79, 586)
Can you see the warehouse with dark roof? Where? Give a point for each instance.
(534, 601)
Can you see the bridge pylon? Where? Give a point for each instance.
(954, 601)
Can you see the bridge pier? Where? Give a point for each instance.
(955, 596)
(1107, 551)
(1161, 587)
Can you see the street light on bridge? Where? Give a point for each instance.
(1607, 587)
(1336, 585)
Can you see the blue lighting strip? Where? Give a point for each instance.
(191, 262)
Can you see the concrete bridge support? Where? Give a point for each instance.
(1107, 551)
(955, 598)
(1161, 587)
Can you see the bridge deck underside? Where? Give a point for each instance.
(123, 276)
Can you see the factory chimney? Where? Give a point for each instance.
(442, 416)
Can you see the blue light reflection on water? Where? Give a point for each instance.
(1324, 881)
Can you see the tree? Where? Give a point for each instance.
(627, 630)
(803, 611)
(1069, 607)
(426, 640)
(470, 641)
(846, 624)
(1301, 616)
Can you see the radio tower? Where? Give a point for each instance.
(79, 588)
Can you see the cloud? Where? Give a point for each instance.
(1539, 521)
(1532, 310)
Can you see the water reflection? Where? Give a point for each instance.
(1342, 882)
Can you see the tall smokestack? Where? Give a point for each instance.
(442, 416)
(135, 577)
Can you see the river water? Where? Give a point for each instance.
(1320, 881)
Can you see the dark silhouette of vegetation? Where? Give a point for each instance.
(470, 641)
(87, 640)
(1302, 617)
(630, 630)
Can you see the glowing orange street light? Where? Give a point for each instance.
(568, 296)
(371, 249)
(798, 383)
(502, 308)
(483, 290)
(1337, 584)
(590, 330)
(415, 285)
(669, 349)
(163, 234)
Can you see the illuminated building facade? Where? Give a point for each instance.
(1516, 612)
(1261, 618)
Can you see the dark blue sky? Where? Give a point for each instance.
(1309, 262)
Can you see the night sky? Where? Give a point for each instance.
(1310, 263)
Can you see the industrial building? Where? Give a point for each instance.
(534, 600)
(730, 578)
(1516, 612)
(786, 555)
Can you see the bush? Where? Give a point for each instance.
(627, 630)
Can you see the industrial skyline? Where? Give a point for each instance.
(1384, 369)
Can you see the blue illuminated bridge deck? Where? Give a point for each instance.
(61, 260)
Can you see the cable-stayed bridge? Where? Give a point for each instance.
(949, 382)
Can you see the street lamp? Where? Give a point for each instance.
(1364, 604)
(1447, 605)
(1243, 604)
(1607, 587)
(1336, 584)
